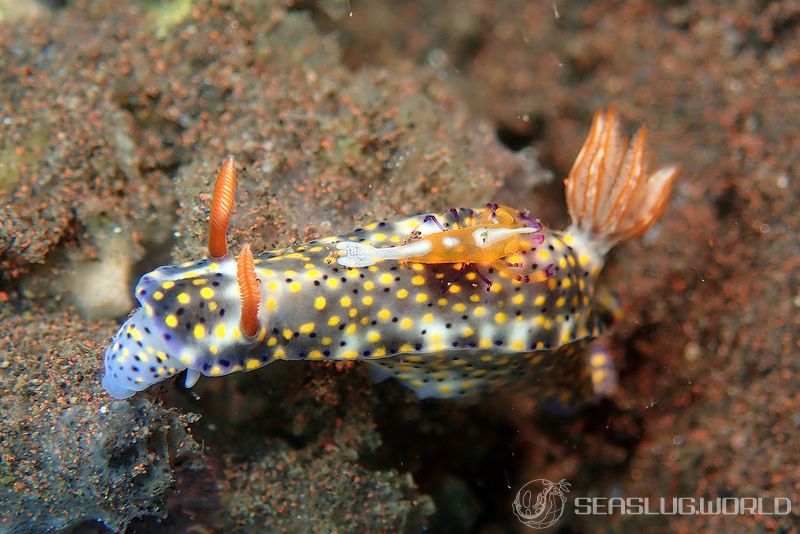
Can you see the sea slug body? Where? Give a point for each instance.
(449, 304)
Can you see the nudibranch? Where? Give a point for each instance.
(449, 304)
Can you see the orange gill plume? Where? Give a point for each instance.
(611, 193)
(221, 208)
(249, 292)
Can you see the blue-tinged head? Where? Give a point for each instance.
(189, 319)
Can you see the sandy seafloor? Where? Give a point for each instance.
(114, 118)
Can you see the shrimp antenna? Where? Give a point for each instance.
(248, 289)
(221, 209)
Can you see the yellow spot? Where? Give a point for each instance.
(373, 336)
(351, 329)
(333, 283)
(517, 345)
(252, 363)
(583, 260)
(560, 302)
(326, 341)
(386, 279)
(378, 237)
(184, 298)
(468, 332)
(474, 298)
(384, 315)
(142, 356)
(212, 306)
(444, 388)
(306, 328)
(158, 295)
(171, 321)
(186, 359)
(421, 297)
(479, 311)
(496, 288)
(207, 293)
(273, 286)
(319, 303)
(199, 282)
(271, 303)
(287, 333)
(427, 318)
(272, 341)
(220, 331)
(369, 285)
(487, 358)
(442, 302)
(367, 301)
(500, 317)
(312, 273)
(455, 288)
(418, 267)
(214, 349)
(519, 298)
(237, 334)
(515, 258)
(294, 287)
(349, 355)
(538, 320)
(279, 353)
(566, 282)
(562, 263)
(199, 331)
(459, 307)
(485, 343)
(352, 312)
(471, 276)
(346, 302)
(139, 380)
(538, 301)
(169, 284)
(314, 355)
(373, 268)
(403, 293)
(333, 320)
(406, 347)
(418, 280)
(544, 255)
(565, 336)
(379, 352)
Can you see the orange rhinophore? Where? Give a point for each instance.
(611, 193)
(221, 208)
(249, 292)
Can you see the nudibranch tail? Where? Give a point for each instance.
(249, 291)
(611, 193)
(221, 208)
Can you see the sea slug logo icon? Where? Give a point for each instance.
(540, 503)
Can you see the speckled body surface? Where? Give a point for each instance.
(437, 328)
